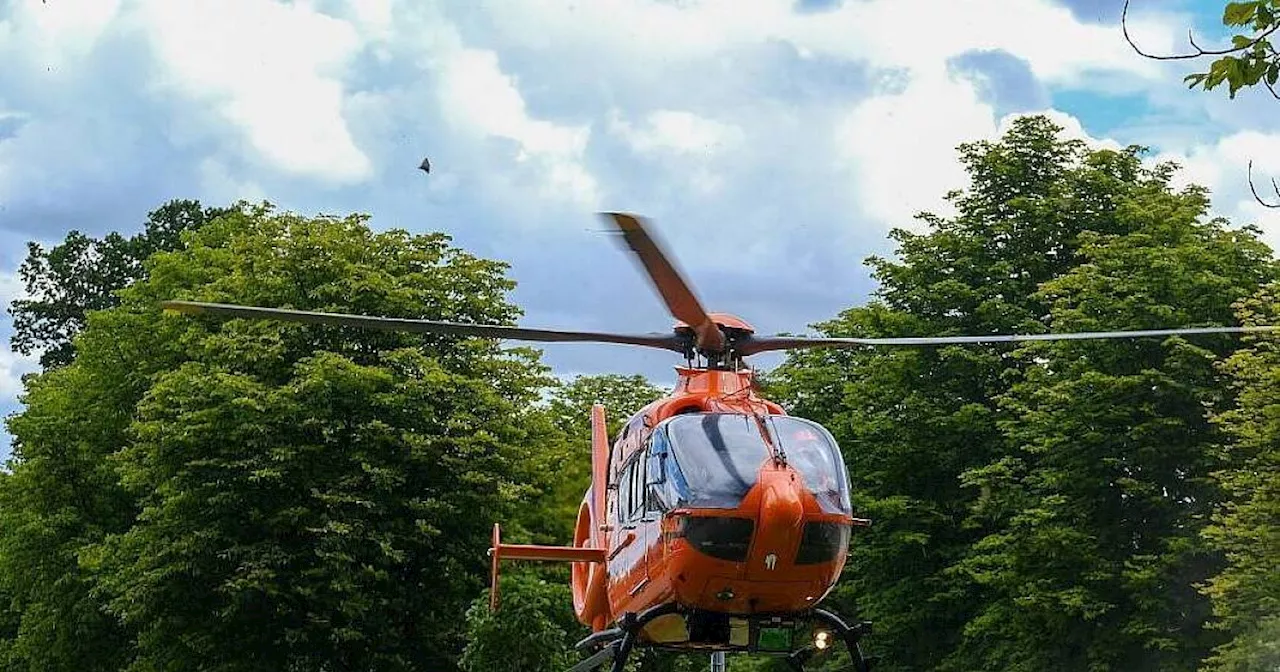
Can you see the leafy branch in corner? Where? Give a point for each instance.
(1248, 62)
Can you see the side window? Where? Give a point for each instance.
(637, 485)
(624, 493)
(631, 489)
(657, 499)
(633, 426)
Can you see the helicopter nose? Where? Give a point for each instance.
(781, 524)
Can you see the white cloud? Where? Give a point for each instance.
(375, 18)
(12, 365)
(898, 145)
(685, 141)
(900, 149)
(11, 288)
(477, 97)
(274, 70)
(1072, 129)
(219, 184)
(56, 35)
(1222, 166)
(720, 121)
(677, 132)
(886, 33)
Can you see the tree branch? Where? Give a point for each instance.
(1274, 185)
(1124, 27)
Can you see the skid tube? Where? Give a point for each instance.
(615, 645)
(621, 641)
(847, 634)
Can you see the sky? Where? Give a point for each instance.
(773, 143)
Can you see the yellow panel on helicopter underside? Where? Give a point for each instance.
(667, 629)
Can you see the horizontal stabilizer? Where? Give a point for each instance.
(500, 551)
(550, 553)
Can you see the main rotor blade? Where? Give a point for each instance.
(665, 342)
(766, 344)
(675, 292)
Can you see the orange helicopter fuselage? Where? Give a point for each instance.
(651, 558)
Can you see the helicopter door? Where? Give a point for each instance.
(628, 560)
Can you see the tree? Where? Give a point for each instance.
(82, 274)
(1246, 594)
(911, 421)
(1095, 552)
(926, 431)
(621, 395)
(570, 411)
(534, 629)
(273, 496)
(61, 497)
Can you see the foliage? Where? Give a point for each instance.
(570, 411)
(235, 495)
(911, 421)
(1246, 594)
(195, 493)
(979, 465)
(1252, 58)
(1095, 511)
(61, 498)
(534, 628)
(82, 274)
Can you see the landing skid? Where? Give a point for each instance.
(613, 647)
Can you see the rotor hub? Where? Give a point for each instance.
(726, 321)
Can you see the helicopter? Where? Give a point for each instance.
(714, 521)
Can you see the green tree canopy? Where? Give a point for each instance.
(1246, 594)
(533, 630)
(82, 274)
(1252, 59)
(1095, 511)
(570, 411)
(240, 495)
(1050, 234)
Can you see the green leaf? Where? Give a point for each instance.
(1239, 13)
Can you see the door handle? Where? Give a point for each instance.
(626, 541)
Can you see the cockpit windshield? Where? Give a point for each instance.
(718, 457)
(810, 450)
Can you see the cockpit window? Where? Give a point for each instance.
(810, 450)
(719, 457)
(711, 460)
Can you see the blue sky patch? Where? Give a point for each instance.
(1100, 113)
(1005, 80)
